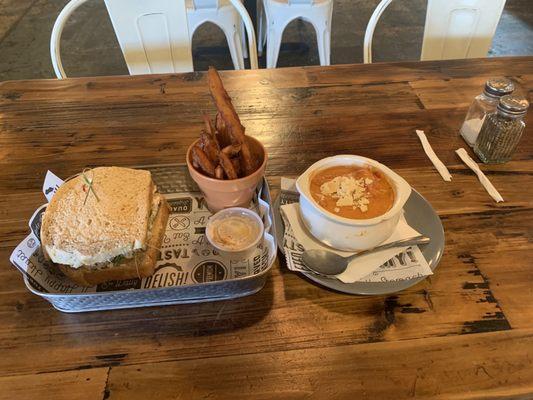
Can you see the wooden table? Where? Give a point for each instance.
(466, 332)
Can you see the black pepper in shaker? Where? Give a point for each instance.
(502, 130)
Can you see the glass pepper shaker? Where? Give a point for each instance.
(482, 105)
(502, 130)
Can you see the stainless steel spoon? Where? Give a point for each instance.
(329, 264)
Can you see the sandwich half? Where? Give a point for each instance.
(110, 229)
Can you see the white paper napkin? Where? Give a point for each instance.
(437, 163)
(362, 267)
(489, 187)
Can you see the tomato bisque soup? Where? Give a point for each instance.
(352, 191)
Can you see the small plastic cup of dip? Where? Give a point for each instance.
(235, 232)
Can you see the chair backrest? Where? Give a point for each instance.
(460, 28)
(453, 29)
(301, 1)
(205, 4)
(153, 34)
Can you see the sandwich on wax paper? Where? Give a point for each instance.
(105, 224)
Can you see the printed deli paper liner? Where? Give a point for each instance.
(186, 255)
(398, 264)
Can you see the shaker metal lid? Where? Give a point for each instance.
(499, 86)
(512, 104)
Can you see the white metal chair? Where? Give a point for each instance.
(274, 16)
(155, 35)
(226, 17)
(453, 29)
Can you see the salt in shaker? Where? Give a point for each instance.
(482, 105)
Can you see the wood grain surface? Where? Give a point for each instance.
(464, 333)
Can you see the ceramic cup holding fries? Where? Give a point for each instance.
(226, 164)
(224, 193)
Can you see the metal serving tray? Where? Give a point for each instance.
(170, 179)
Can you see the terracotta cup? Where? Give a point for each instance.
(220, 194)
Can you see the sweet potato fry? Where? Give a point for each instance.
(224, 105)
(230, 117)
(222, 135)
(232, 150)
(237, 166)
(200, 158)
(209, 128)
(219, 172)
(247, 161)
(210, 147)
(220, 125)
(226, 164)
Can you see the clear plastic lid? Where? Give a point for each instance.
(234, 229)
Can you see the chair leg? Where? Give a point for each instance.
(323, 40)
(265, 27)
(244, 42)
(235, 47)
(260, 17)
(273, 46)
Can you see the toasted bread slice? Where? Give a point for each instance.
(86, 227)
(140, 266)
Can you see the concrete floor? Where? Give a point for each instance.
(90, 47)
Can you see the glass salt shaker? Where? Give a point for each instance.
(482, 105)
(502, 130)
